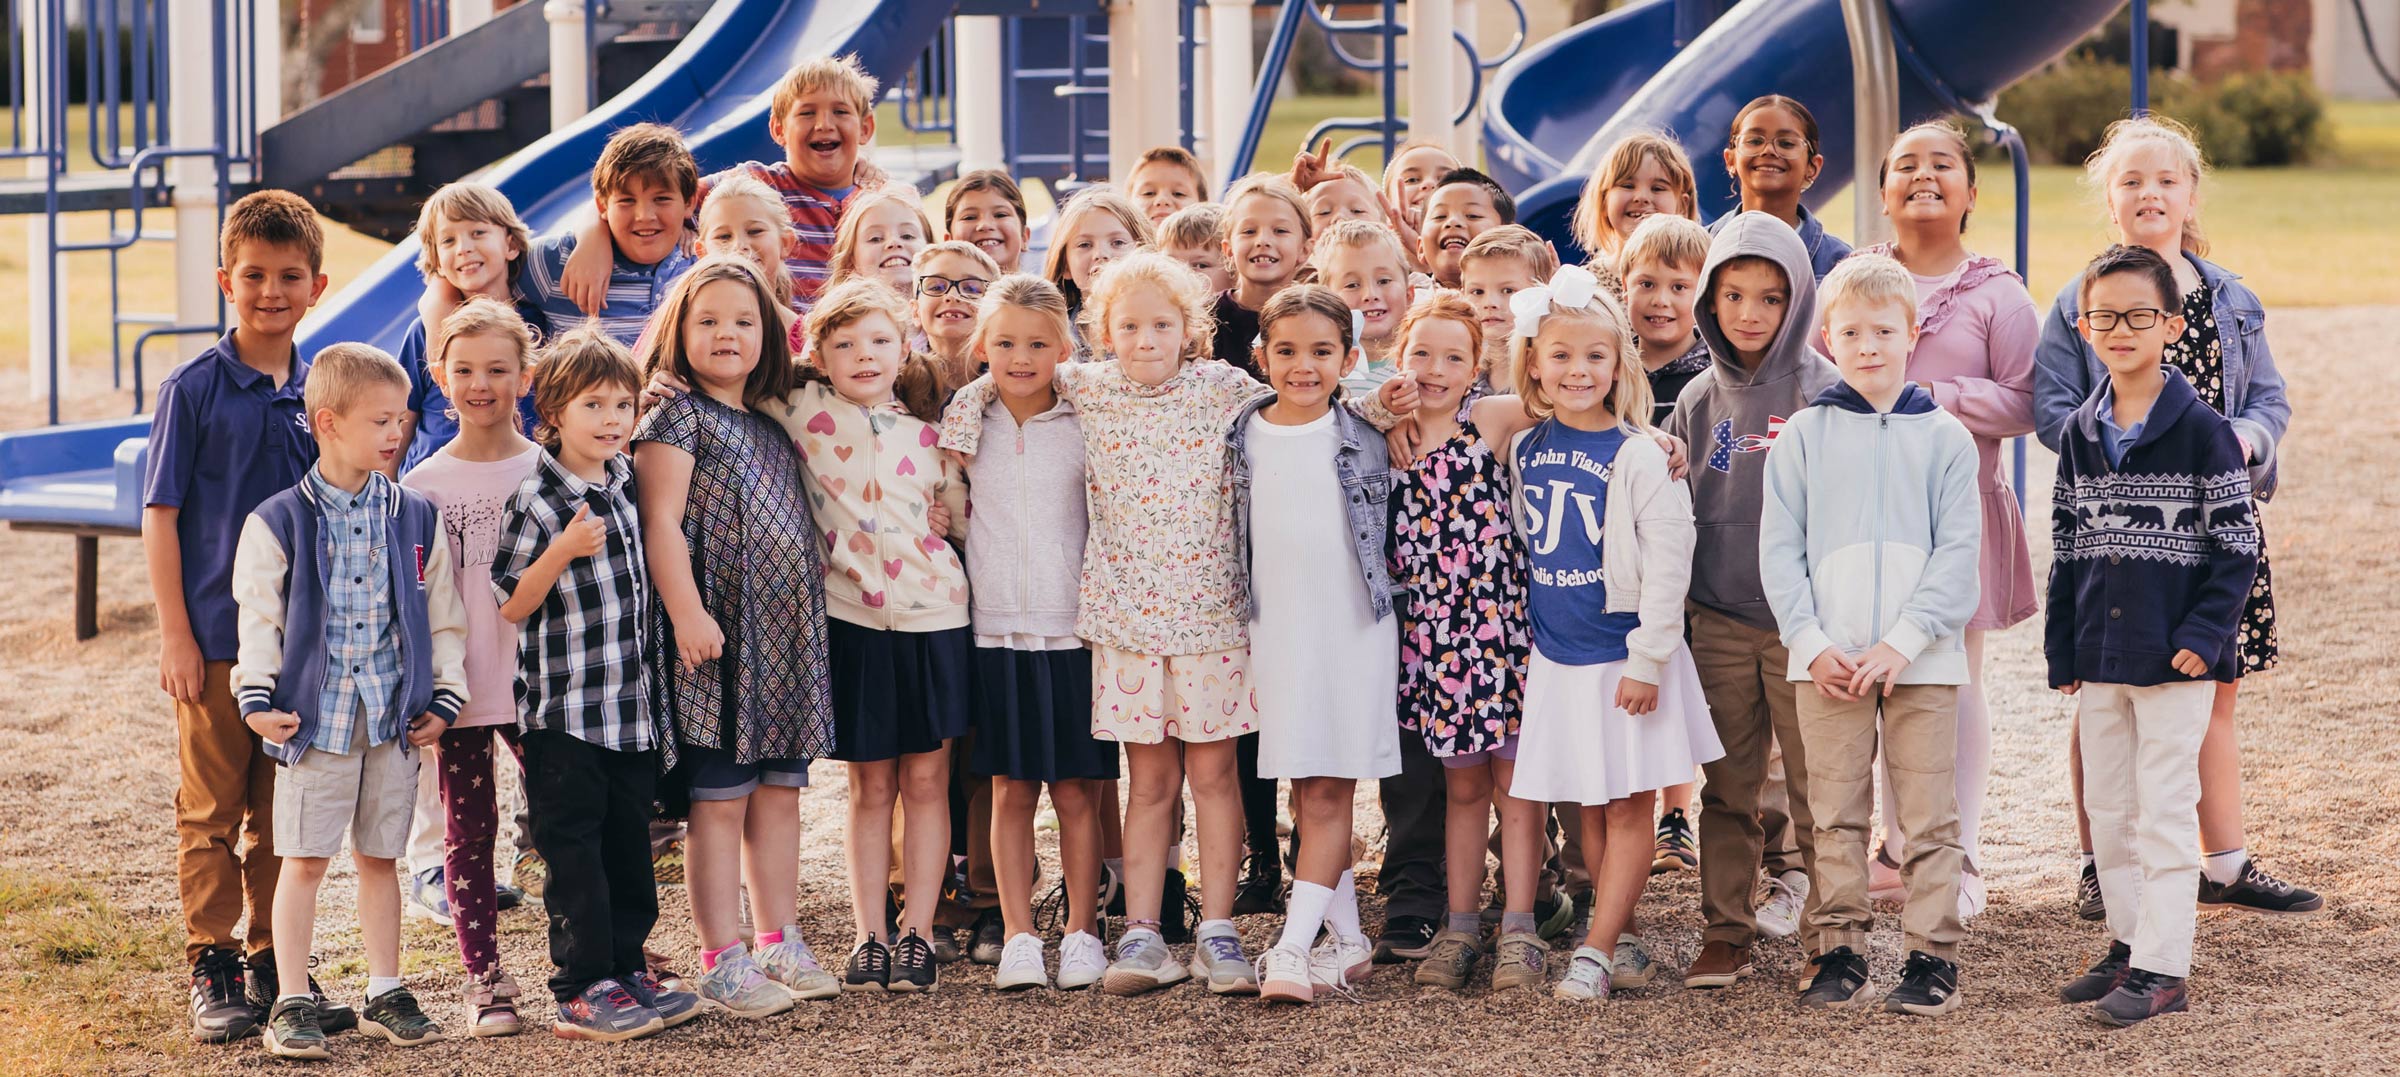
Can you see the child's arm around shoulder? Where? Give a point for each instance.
(962, 421)
(1499, 419)
(261, 573)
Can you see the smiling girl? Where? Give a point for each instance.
(1774, 157)
(951, 278)
(987, 209)
(882, 231)
(1267, 236)
(1643, 174)
(1098, 226)
(471, 243)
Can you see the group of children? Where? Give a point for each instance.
(1333, 480)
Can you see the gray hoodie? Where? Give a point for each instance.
(1728, 416)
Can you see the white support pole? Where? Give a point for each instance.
(1431, 56)
(977, 88)
(1156, 88)
(1229, 76)
(45, 291)
(1466, 136)
(570, 63)
(1125, 110)
(192, 121)
(266, 64)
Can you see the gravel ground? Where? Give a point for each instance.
(89, 749)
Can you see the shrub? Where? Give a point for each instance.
(2265, 119)
(2282, 111)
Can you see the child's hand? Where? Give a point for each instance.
(1677, 465)
(180, 668)
(1636, 698)
(425, 730)
(2070, 688)
(1831, 670)
(960, 458)
(662, 387)
(1409, 238)
(1310, 169)
(937, 519)
(583, 536)
(2189, 664)
(1880, 663)
(585, 280)
(275, 727)
(698, 640)
(1401, 439)
(441, 298)
(1399, 395)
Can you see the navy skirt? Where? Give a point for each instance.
(1033, 717)
(896, 693)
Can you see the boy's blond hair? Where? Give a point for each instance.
(1195, 225)
(1148, 268)
(839, 265)
(742, 186)
(574, 363)
(651, 151)
(464, 201)
(1624, 159)
(842, 74)
(1180, 158)
(1512, 241)
(342, 373)
(479, 316)
(1663, 240)
(1866, 278)
(1273, 185)
(1628, 386)
(1357, 234)
(276, 219)
(1097, 198)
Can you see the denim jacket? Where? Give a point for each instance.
(1365, 470)
(2066, 372)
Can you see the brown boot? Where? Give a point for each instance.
(1719, 965)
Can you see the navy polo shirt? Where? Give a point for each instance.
(435, 426)
(223, 439)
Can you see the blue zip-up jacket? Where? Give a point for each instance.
(281, 666)
(1871, 531)
(1364, 465)
(2066, 371)
(2154, 555)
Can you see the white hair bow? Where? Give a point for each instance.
(1572, 287)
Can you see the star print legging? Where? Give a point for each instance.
(471, 809)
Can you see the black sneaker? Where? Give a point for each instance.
(1405, 938)
(1928, 986)
(1675, 848)
(1840, 982)
(990, 938)
(293, 1031)
(913, 964)
(395, 1016)
(266, 987)
(1179, 911)
(945, 946)
(506, 896)
(221, 1010)
(870, 967)
(2142, 996)
(1112, 891)
(2256, 891)
(2102, 978)
(1262, 886)
(2088, 902)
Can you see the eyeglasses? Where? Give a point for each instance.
(970, 287)
(1786, 146)
(2102, 321)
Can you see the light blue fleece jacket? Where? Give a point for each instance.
(1870, 533)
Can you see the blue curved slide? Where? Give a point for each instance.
(715, 87)
(1553, 112)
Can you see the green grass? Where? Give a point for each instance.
(67, 956)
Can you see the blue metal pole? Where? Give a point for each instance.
(1391, 76)
(2141, 57)
(1270, 72)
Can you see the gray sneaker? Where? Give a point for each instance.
(292, 1030)
(605, 1013)
(395, 1016)
(1587, 976)
(674, 1007)
(1143, 964)
(1633, 967)
(1451, 962)
(792, 964)
(739, 988)
(1520, 960)
(1218, 960)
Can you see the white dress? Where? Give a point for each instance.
(1322, 665)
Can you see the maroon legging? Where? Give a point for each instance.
(471, 812)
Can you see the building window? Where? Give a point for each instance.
(368, 30)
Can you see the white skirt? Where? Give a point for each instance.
(1577, 747)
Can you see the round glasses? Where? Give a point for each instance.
(969, 287)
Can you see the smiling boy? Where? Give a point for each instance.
(643, 186)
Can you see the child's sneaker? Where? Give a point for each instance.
(913, 964)
(870, 967)
(292, 1030)
(1405, 938)
(531, 874)
(1840, 982)
(1676, 849)
(1283, 975)
(221, 1010)
(655, 964)
(1340, 961)
(674, 1005)
(1143, 964)
(1022, 964)
(1519, 961)
(605, 1013)
(736, 986)
(1779, 909)
(792, 964)
(491, 1005)
(1082, 960)
(1451, 962)
(1587, 977)
(666, 861)
(1928, 986)
(266, 988)
(1262, 885)
(506, 896)
(2256, 891)
(989, 937)
(427, 898)
(1632, 967)
(2103, 977)
(2142, 996)
(1218, 961)
(1719, 964)
(395, 1016)
(2089, 904)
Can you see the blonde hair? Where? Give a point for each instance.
(1146, 268)
(1441, 306)
(1023, 291)
(916, 384)
(342, 373)
(1097, 198)
(1200, 224)
(1180, 158)
(840, 265)
(576, 362)
(963, 249)
(1628, 386)
(1391, 168)
(1513, 241)
(741, 186)
(1355, 234)
(1866, 278)
(2152, 129)
(463, 201)
(1665, 241)
(1624, 159)
(1273, 185)
(842, 74)
(771, 379)
(477, 317)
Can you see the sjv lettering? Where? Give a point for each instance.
(1548, 505)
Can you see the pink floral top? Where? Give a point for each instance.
(1159, 576)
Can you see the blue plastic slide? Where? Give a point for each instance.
(1553, 112)
(715, 87)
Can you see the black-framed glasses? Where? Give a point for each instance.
(2102, 321)
(969, 287)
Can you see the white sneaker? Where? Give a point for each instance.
(1143, 964)
(1283, 975)
(1082, 960)
(1218, 961)
(1340, 962)
(1021, 964)
(1587, 977)
(1779, 914)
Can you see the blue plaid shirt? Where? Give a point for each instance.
(362, 645)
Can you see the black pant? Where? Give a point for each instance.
(591, 823)
(1258, 803)
(1415, 806)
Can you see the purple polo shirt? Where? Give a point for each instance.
(223, 439)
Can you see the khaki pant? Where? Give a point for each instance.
(1775, 814)
(226, 792)
(1742, 676)
(2141, 786)
(1920, 743)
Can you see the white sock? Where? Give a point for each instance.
(1303, 914)
(2223, 868)
(1343, 914)
(378, 985)
(2088, 862)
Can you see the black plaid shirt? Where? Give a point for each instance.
(579, 657)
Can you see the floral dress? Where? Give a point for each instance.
(2199, 355)
(1461, 571)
